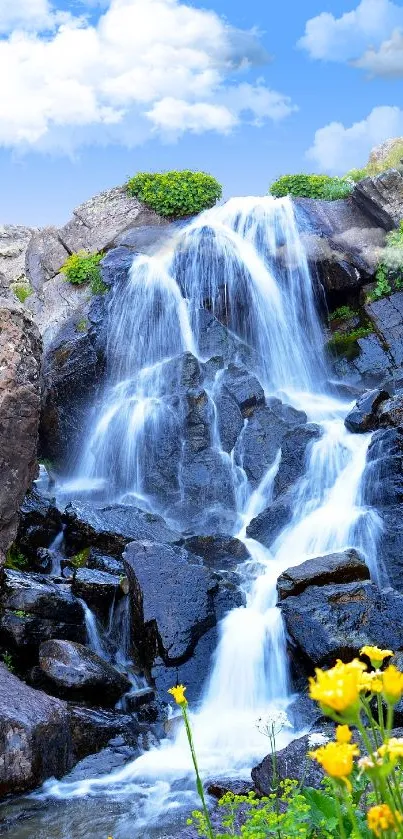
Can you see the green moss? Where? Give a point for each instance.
(84, 267)
(82, 325)
(20, 613)
(16, 560)
(345, 344)
(311, 186)
(22, 291)
(343, 313)
(80, 559)
(176, 194)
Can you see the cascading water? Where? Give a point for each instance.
(246, 264)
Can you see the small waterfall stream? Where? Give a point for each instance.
(247, 260)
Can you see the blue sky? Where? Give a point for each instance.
(99, 89)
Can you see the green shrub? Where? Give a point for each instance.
(22, 291)
(82, 325)
(8, 661)
(16, 560)
(389, 273)
(311, 186)
(357, 175)
(80, 559)
(345, 343)
(342, 313)
(176, 194)
(83, 267)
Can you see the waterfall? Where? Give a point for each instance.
(244, 262)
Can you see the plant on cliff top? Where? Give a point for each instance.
(311, 186)
(83, 267)
(176, 194)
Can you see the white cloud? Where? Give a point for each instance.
(337, 148)
(145, 66)
(29, 14)
(387, 61)
(347, 37)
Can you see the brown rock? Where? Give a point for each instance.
(20, 357)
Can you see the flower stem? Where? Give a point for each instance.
(199, 784)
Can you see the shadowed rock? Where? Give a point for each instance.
(345, 567)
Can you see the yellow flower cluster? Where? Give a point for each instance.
(178, 694)
(393, 748)
(381, 818)
(338, 690)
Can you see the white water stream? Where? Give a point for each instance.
(246, 258)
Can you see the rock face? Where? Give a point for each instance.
(363, 417)
(35, 739)
(20, 354)
(14, 240)
(72, 670)
(39, 524)
(176, 602)
(346, 567)
(381, 198)
(98, 588)
(335, 621)
(291, 762)
(110, 528)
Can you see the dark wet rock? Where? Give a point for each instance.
(295, 450)
(335, 621)
(43, 561)
(40, 523)
(304, 713)
(229, 420)
(197, 421)
(383, 490)
(20, 361)
(263, 437)
(23, 633)
(206, 481)
(267, 526)
(139, 698)
(193, 672)
(345, 567)
(175, 602)
(244, 388)
(293, 763)
(216, 340)
(390, 412)
(116, 265)
(221, 553)
(74, 671)
(110, 528)
(363, 416)
(381, 198)
(101, 562)
(35, 740)
(221, 786)
(387, 317)
(97, 588)
(73, 371)
(92, 728)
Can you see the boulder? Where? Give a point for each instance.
(175, 602)
(345, 567)
(229, 420)
(101, 562)
(98, 222)
(44, 257)
(73, 372)
(92, 729)
(335, 621)
(39, 525)
(20, 358)
(35, 609)
(381, 198)
(56, 303)
(243, 387)
(387, 316)
(206, 481)
(97, 588)
(363, 416)
(293, 762)
(14, 240)
(267, 526)
(220, 553)
(115, 266)
(390, 412)
(110, 528)
(263, 436)
(295, 451)
(369, 368)
(35, 739)
(72, 670)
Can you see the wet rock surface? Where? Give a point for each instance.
(267, 526)
(345, 567)
(35, 739)
(110, 528)
(293, 763)
(335, 621)
(73, 671)
(39, 524)
(97, 588)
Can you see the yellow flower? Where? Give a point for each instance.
(343, 734)
(371, 682)
(336, 759)
(337, 689)
(375, 655)
(393, 748)
(381, 818)
(392, 684)
(178, 694)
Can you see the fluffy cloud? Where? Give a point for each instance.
(349, 36)
(337, 148)
(29, 14)
(146, 66)
(387, 61)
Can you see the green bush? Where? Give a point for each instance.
(342, 313)
(83, 267)
(357, 175)
(345, 343)
(80, 559)
(16, 560)
(311, 186)
(389, 273)
(176, 194)
(22, 291)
